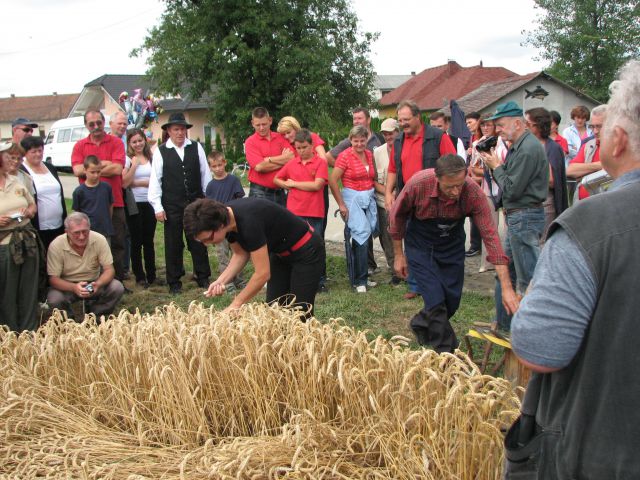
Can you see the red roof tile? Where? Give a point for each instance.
(434, 87)
(40, 108)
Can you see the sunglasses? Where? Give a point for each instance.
(26, 129)
(97, 123)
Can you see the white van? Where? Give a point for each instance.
(62, 136)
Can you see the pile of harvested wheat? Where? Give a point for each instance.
(199, 394)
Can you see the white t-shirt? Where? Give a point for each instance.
(143, 172)
(49, 199)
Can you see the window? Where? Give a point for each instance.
(64, 135)
(210, 132)
(49, 138)
(78, 133)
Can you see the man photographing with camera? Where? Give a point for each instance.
(429, 215)
(524, 181)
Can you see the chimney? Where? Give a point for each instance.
(413, 74)
(13, 95)
(55, 93)
(451, 65)
(480, 63)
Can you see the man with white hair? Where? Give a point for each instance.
(578, 324)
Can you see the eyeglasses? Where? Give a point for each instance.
(26, 129)
(79, 233)
(97, 123)
(594, 126)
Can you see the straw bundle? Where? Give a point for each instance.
(199, 394)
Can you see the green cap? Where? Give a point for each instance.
(509, 109)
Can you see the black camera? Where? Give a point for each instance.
(487, 144)
(89, 288)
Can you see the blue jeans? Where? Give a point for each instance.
(522, 245)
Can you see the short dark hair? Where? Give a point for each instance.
(91, 160)
(204, 214)
(413, 106)
(259, 112)
(449, 165)
(542, 118)
(555, 117)
(474, 115)
(92, 111)
(34, 141)
(437, 115)
(303, 135)
(361, 110)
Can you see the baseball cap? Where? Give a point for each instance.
(23, 121)
(389, 125)
(509, 109)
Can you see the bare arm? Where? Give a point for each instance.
(269, 164)
(579, 170)
(336, 175)
(317, 184)
(110, 169)
(389, 194)
(129, 173)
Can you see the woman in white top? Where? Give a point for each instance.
(142, 226)
(48, 192)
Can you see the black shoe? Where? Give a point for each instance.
(203, 282)
(175, 289)
(472, 252)
(323, 289)
(395, 280)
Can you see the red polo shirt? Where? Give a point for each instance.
(304, 203)
(411, 156)
(579, 158)
(110, 148)
(563, 143)
(257, 148)
(356, 176)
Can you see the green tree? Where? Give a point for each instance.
(305, 58)
(587, 41)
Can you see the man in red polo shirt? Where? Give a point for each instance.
(266, 152)
(417, 147)
(110, 151)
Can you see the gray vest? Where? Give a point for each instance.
(589, 410)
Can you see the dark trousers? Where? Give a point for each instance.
(142, 228)
(47, 236)
(318, 223)
(174, 249)
(475, 238)
(297, 275)
(277, 195)
(118, 240)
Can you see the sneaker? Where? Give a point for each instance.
(472, 252)
(175, 289)
(373, 271)
(371, 284)
(410, 295)
(395, 280)
(361, 289)
(230, 288)
(203, 282)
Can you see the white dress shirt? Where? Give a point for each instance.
(155, 181)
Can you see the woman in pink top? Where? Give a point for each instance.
(356, 200)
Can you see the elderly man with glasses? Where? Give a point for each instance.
(80, 267)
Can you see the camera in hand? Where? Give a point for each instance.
(89, 288)
(16, 216)
(487, 144)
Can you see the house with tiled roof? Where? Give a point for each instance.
(481, 89)
(103, 92)
(41, 109)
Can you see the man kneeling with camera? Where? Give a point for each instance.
(80, 267)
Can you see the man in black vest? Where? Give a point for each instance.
(417, 147)
(179, 176)
(578, 324)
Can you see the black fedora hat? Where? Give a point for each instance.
(176, 119)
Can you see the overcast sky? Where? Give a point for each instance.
(60, 45)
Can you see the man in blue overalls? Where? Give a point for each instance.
(429, 215)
